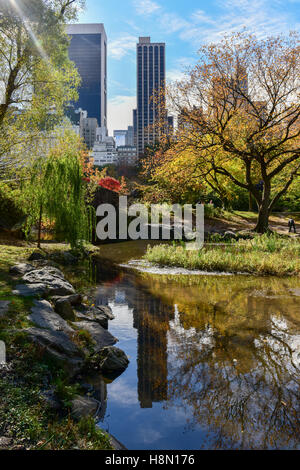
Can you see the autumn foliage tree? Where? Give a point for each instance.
(239, 119)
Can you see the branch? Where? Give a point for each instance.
(285, 188)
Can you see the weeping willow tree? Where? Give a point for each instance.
(56, 191)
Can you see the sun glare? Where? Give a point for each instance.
(37, 43)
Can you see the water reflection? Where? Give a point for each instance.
(221, 355)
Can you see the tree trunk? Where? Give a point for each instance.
(250, 202)
(40, 226)
(262, 224)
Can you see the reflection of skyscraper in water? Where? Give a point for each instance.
(151, 319)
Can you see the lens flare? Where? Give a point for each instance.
(26, 22)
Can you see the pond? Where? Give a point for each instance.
(214, 360)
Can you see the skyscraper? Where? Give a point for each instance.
(151, 72)
(88, 49)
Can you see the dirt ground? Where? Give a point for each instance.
(246, 221)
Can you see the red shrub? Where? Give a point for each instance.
(110, 183)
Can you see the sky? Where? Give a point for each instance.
(183, 25)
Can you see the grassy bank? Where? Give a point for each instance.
(26, 417)
(264, 255)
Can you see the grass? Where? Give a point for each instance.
(25, 416)
(264, 255)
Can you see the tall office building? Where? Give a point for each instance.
(151, 73)
(88, 49)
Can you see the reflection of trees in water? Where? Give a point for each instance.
(232, 362)
(242, 383)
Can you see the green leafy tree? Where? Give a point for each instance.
(37, 79)
(57, 190)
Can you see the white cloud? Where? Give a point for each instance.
(172, 23)
(122, 46)
(146, 7)
(262, 17)
(120, 110)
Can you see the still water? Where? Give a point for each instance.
(214, 360)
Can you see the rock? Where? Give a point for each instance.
(58, 345)
(36, 255)
(5, 442)
(64, 308)
(83, 407)
(53, 280)
(229, 235)
(112, 359)
(31, 290)
(74, 299)
(4, 307)
(68, 258)
(99, 335)
(43, 315)
(41, 273)
(295, 292)
(106, 311)
(101, 319)
(92, 314)
(21, 269)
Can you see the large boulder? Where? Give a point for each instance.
(99, 335)
(43, 315)
(21, 269)
(107, 311)
(64, 308)
(53, 280)
(74, 299)
(112, 359)
(92, 314)
(30, 290)
(83, 407)
(36, 256)
(59, 346)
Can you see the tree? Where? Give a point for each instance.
(239, 115)
(37, 79)
(110, 183)
(57, 190)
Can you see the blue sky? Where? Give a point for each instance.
(183, 25)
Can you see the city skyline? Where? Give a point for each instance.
(183, 27)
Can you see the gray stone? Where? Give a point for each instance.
(295, 291)
(43, 315)
(230, 235)
(21, 269)
(74, 299)
(112, 359)
(5, 442)
(52, 278)
(92, 314)
(56, 343)
(33, 290)
(83, 407)
(4, 307)
(64, 308)
(68, 258)
(106, 311)
(99, 335)
(36, 255)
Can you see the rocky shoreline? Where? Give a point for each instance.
(71, 333)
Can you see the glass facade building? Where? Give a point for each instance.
(151, 74)
(88, 50)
